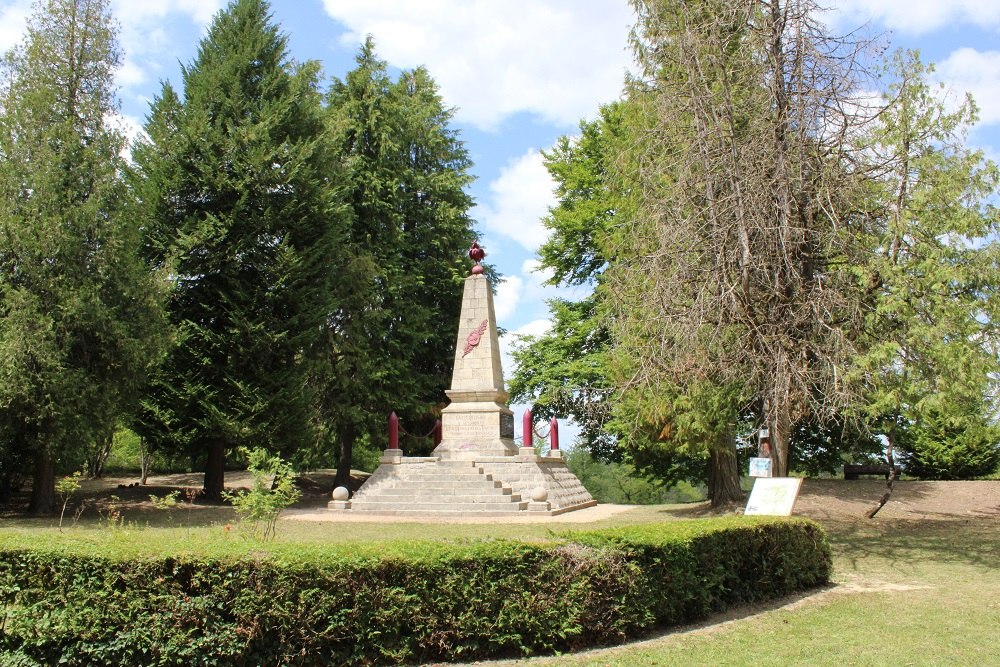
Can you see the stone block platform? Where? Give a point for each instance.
(493, 486)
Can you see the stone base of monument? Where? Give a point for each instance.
(487, 486)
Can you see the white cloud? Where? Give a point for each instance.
(519, 198)
(144, 36)
(554, 58)
(130, 75)
(148, 12)
(13, 20)
(976, 72)
(917, 17)
(507, 297)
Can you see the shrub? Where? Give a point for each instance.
(950, 444)
(66, 488)
(273, 490)
(425, 602)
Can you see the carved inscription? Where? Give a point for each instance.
(475, 336)
(471, 427)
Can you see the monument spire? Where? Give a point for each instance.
(477, 421)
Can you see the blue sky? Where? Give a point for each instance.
(520, 73)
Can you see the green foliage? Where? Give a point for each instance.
(81, 321)
(167, 502)
(825, 448)
(392, 347)
(675, 433)
(928, 370)
(957, 444)
(242, 202)
(273, 490)
(621, 483)
(66, 487)
(728, 280)
(432, 602)
(753, 270)
(566, 371)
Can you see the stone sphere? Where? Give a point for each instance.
(341, 493)
(539, 494)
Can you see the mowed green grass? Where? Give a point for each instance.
(214, 531)
(905, 592)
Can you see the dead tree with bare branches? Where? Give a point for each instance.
(732, 274)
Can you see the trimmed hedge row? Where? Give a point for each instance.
(463, 602)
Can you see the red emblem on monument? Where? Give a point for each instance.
(475, 336)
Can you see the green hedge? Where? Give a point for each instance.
(451, 602)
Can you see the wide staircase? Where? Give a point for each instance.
(438, 486)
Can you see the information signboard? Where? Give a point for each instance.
(773, 496)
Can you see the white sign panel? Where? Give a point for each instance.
(760, 467)
(773, 496)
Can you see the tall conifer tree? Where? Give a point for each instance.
(929, 364)
(240, 189)
(411, 230)
(80, 317)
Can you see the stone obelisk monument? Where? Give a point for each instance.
(477, 422)
(476, 469)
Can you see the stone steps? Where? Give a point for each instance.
(501, 507)
(456, 489)
(438, 477)
(440, 487)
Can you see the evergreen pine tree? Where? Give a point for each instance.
(240, 190)
(394, 350)
(929, 364)
(80, 317)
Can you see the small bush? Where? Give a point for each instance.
(273, 490)
(424, 602)
(66, 488)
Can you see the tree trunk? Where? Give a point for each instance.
(43, 487)
(145, 460)
(347, 436)
(780, 425)
(102, 450)
(724, 474)
(215, 470)
(891, 459)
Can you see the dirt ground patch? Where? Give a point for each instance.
(129, 495)
(825, 500)
(837, 499)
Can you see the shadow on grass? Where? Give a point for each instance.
(904, 543)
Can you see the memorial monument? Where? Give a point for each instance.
(476, 469)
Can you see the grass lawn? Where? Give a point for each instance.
(906, 593)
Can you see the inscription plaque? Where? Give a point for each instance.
(469, 426)
(506, 426)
